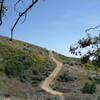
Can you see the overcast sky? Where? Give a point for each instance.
(54, 24)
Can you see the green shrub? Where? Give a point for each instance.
(86, 88)
(95, 79)
(93, 88)
(89, 88)
(64, 77)
(24, 61)
(13, 68)
(16, 65)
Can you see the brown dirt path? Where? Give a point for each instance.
(46, 83)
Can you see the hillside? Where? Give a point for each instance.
(22, 62)
(24, 66)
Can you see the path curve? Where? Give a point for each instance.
(46, 83)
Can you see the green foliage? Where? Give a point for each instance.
(95, 79)
(16, 65)
(89, 66)
(89, 88)
(24, 61)
(85, 59)
(86, 88)
(92, 44)
(13, 68)
(93, 88)
(65, 77)
(85, 42)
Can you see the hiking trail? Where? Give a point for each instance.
(46, 83)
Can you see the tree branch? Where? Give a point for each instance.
(16, 5)
(24, 18)
(1, 8)
(92, 28)
(21, 14)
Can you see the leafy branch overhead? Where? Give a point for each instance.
(91, 44)
(20, 14)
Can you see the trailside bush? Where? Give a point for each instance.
(13, 68)
(89, 88)
(93, 88)
(65, 77)
(27, 67)
(17, 64)
(86, 88)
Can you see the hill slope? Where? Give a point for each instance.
(24, 61)
(24, 66)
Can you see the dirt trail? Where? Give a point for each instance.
(46, 83)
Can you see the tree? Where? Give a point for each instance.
(92, 45)
(20, 14)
